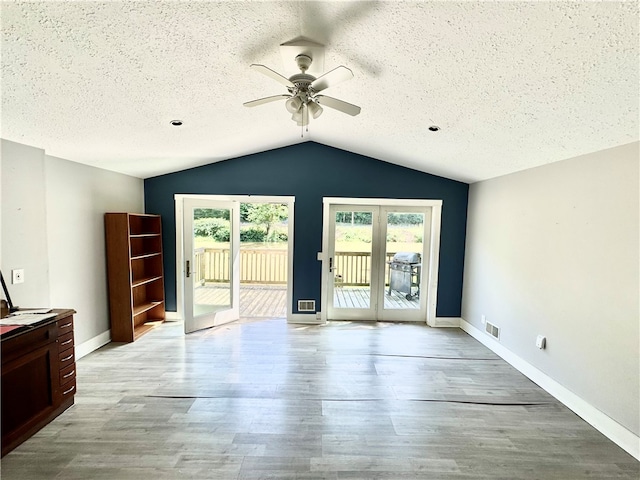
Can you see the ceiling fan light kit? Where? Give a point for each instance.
(293, 104)
(303, 88)
(314, 109)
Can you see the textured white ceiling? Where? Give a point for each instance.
(511, 84)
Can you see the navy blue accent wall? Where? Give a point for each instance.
(310, 171)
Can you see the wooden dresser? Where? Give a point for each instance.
(38, 376)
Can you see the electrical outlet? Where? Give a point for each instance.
(17, 276)
(484, 319)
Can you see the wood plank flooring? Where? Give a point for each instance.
(267, 400)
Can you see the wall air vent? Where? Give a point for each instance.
(492, 330)
(306, 305)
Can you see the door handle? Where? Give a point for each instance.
(331, 264)
(188, 268)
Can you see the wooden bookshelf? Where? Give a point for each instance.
(134, 268)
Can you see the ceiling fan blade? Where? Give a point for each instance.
(331, 78)
(343, 107)
(272, 74)
(262, 101)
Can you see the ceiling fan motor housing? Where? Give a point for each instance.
(302, 89)
(302, 81)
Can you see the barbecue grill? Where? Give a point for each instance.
(404, 274)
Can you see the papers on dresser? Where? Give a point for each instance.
(25, 318)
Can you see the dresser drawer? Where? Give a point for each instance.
(65, 342)
(67, 357)
(68, 390)
(65, 325)
(67, 374)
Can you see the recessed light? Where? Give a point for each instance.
(176, 123)
(434, 128)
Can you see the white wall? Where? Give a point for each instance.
(24, 223)
(55, 230)
(555, 251)
(77, 198)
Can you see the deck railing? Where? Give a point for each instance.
(354, 268)
(256, 266)
(270, 266)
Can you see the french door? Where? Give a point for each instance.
(377, 262)
(212, 288)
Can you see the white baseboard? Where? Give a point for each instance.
(172, 316)
(85, 348)
(306, 319)
(617, 433)
(447, 322)
(312, 320)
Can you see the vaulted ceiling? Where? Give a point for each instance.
(511, 85)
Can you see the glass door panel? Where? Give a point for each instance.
(211, 280)
(212, 273)
(353, 288)
(406, 258)
(403, 255)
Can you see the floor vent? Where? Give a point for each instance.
(492, 330)
(306, 305)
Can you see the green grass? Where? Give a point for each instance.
(356, 238)
(206, 242)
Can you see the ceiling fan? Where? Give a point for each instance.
(303, 99)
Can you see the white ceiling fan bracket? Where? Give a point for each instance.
(302, 46)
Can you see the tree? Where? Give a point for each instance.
(210, 213)
(267, 214)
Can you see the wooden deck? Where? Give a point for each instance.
(255, 300)
(271, 300)
(359, 297)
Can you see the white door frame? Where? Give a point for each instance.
(179, 210)
(433, 248)
(399, 315)
(193, 322)
(374, 286)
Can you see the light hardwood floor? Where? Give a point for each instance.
(268, 400)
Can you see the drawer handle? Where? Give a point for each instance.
(70, 390)
(66, 325)
(69, 374)
(67, 358)
(67, 342)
